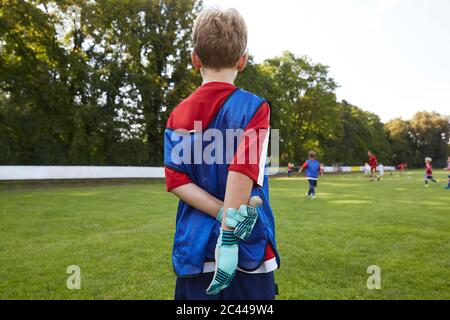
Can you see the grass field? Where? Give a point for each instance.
(121, 237)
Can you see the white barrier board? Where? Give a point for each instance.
(98, 172)
(77, 172)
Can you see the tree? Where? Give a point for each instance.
(425, 135)
(361, 131)
(305, 104)
(93, 82)
(81, 89)
(400, 141)
(430, 132)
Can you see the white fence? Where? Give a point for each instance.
(329, 169)
(77, 172)
(96, 172)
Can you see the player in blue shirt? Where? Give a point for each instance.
(312, 167)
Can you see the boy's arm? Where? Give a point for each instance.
(182, 186)
(198, 198)
(241, 178)
(237, 193)
(303, 167)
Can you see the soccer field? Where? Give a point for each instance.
(121, 238)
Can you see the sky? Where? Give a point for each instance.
(390, 57)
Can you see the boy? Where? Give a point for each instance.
(367, 171)
(290, 169)
(322, 169)
(428, 171)
(381, 169)
(312, 167)
(223, 249)
(373, 166)
(448, 169)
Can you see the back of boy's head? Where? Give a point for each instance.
(312, 154)
(220, 38)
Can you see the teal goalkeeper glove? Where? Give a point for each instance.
(243, 220)
(227, 254)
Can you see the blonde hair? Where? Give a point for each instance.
(428, 159)
(220, 38)
(312, 154)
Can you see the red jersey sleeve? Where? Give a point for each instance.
(175, 179)
(251, 155)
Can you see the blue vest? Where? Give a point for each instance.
(312, 170)
(196, 232)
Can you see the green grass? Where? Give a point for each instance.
(121, 237)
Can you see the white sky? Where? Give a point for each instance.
(391, 57)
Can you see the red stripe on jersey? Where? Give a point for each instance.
(248, 157)
(269, 253)
(175, 179)
(202, 105)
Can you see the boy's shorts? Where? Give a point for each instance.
(428, 177)
(245, 286)
(313, 183)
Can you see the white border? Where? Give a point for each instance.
(77, 172)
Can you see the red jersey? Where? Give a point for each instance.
(373, 162)
(429, 169)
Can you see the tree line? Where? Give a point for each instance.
(93, 83)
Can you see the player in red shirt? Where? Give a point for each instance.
(429, 171)
(373, 166)
(290, 169)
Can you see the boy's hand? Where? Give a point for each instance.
(227, 254)
(244, 219)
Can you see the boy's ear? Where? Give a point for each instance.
(242, 63)
(196, 61)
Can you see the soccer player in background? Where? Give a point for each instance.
(322, 169)
(448, 169)
(223, 248)
(381, 169)
(429, 171)
(373, 163)
(290, 169)
(312, 167)
(366, 170)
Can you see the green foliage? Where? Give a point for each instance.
(427, 134)
(305, 109)
(83, 89)
(360, 131)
